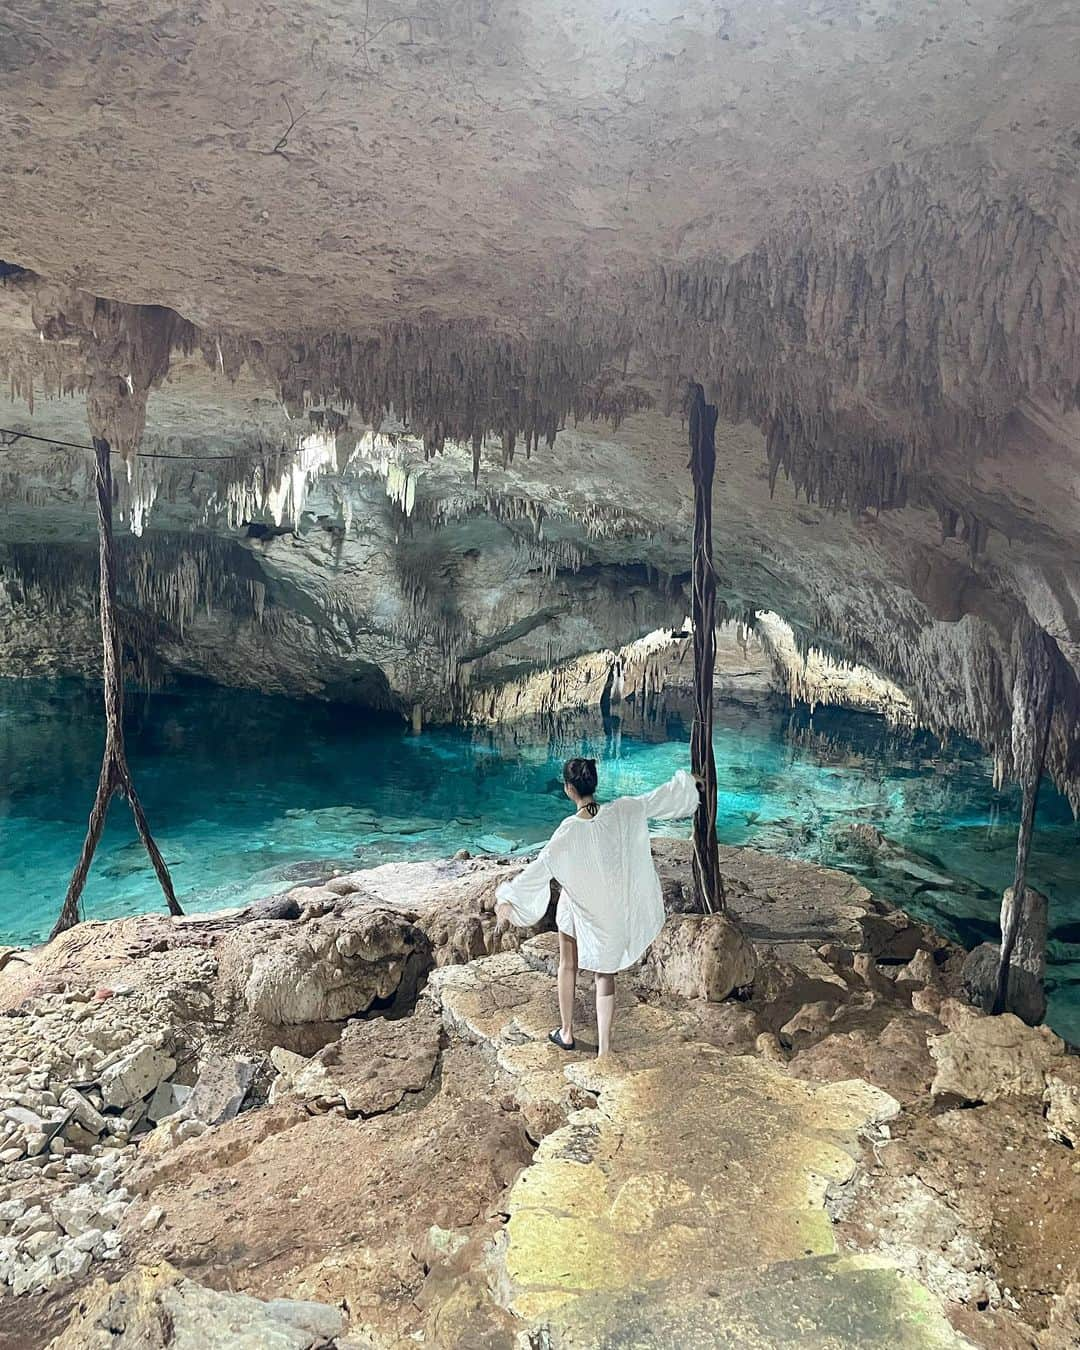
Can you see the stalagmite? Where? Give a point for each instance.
(1033, 708)
(115, 776)
(707, 880)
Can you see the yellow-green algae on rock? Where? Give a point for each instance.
(687, 1207)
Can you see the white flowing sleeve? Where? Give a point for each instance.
(529, 893)
(673, 800)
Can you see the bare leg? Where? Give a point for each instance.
(568, 969)
(605, 1011)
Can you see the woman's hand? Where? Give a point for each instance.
(504, 914)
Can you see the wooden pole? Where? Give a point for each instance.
(115, 775)
(1033, 709)
(708, 883)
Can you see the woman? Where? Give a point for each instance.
(611, 907)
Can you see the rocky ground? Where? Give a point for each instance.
(343, 1126)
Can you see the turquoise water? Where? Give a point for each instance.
(245, 792)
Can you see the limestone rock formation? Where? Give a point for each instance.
(1062, 1097)
(983, 1058)
(810, 1189)
(369, 1069)
(698, 956)
(1027, 969)
(326, 970)
(155, 1308)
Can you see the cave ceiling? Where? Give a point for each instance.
(464, 159)
(481, 225)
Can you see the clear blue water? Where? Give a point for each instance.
(244, 792)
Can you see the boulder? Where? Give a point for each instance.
(371, 1068)
(881, 1044)
(83, 1112)
(1026, 995)
(155, 1306)
(77, 1211)
(326, 970)
(698, 956)
(542, 953)
(866, 969)
(219, 1090)
(891, 935)
(341, 885)
(168, 1098)
(456, 937)
(781, 988)
(810, 1022)
(922, 970)
(768, 1047)
(984, 1058)
(172, 1131)
(136, 1074)
(1062, 1097)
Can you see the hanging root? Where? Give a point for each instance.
(708, 883)
(115, 776)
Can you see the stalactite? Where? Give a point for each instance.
(171, 577)
(563, 555)
(813, 677)
(874, 332)
(634, 676)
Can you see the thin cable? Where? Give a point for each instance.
(139, 454)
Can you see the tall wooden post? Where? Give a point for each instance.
(708, 884)
(115, 775)
(1033, 709)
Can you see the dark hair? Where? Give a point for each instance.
(580, 774)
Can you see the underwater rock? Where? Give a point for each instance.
(861, 843)
(310, 873)
(407, 825)
(919, 871)
(496, 843)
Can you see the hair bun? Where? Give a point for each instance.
(580, 774)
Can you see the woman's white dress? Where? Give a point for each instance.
(611, 898)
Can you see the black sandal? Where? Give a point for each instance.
(555, 1037)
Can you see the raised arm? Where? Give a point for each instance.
(529, 893)
(672, 800)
